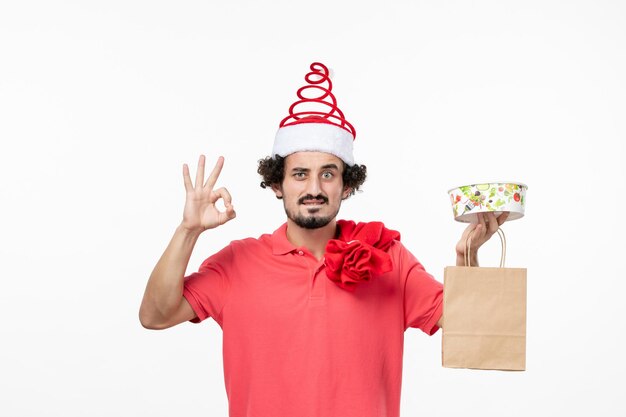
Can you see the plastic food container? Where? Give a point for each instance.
(497, 197)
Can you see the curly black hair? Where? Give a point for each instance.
(273, 172)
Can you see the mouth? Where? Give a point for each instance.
(311, 201)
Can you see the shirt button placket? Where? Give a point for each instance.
(318, 284)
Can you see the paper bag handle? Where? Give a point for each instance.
(502, 241)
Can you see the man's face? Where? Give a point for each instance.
(312, 189)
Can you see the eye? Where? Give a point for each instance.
(327, 175)
(299, 175)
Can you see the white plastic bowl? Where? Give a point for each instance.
(495, 197)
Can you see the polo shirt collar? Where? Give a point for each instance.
(280, 244)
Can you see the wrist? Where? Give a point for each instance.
(473, 258)
(189, 232)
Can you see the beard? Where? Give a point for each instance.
(311, 221)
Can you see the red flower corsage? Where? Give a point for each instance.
(359, 253)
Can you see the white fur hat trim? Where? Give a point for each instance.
(314, 137)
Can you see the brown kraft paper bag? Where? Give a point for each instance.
(484, 316)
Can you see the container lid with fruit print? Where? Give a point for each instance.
(497, 197)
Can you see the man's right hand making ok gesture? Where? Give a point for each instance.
(200, 212)
(163, 303)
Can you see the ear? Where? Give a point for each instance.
(278, 191)
(346, 192)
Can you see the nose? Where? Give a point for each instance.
(314, 186)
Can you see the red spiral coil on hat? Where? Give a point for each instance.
(323, 95)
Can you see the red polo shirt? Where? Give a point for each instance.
(296, 344)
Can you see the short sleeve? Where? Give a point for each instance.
(423, 295)
(207, 290)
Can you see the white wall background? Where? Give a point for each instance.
(102, 102)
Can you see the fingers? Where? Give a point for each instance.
(229, 214)
(480, 228)
(468, 233)
(483, 228)
(486, 226)
(469, 230)
(488, 223)
(502, 218)
(210, 182)
(187, 178)
(200, 171)
(223, 194)
(492, 223)
(481, 221)
(479, 232)
(467, 238)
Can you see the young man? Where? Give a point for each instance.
(313, 315)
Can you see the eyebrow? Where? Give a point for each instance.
(327, 166)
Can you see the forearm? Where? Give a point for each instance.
(164, 290)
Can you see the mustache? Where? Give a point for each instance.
(311, 197)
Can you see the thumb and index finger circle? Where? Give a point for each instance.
(223, 194)
(229, 213)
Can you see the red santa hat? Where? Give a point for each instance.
(317, 124)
